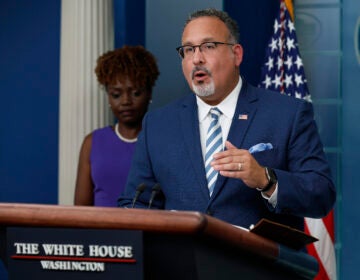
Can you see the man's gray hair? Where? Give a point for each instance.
(221, 15)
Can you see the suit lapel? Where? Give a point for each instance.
(244, 113)
(190, 130)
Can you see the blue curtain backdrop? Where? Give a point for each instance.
(29, 87)
(29, 90)
(129, 20)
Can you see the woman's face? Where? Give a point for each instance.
(128, 104)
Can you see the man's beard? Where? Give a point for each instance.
(203, 89)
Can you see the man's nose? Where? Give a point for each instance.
(198, 56)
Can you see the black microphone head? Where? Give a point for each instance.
(156, 187)
(141, 187)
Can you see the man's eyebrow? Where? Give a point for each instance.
(189, 43)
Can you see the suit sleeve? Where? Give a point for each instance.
(306, 188)
(141, 173)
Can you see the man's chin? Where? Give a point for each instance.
(203, 89)
(204, 95)
(201, 92)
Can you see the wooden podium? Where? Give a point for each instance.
(175, 244)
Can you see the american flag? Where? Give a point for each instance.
(283, 71)
(243, 117)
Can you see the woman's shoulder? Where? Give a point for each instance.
(107, 130)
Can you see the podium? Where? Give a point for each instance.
(164, 245)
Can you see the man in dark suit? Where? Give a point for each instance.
(270, 162)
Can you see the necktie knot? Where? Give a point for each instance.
(215, 113)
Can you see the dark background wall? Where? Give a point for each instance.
(29, 89)
(129, 20)
(256, 27)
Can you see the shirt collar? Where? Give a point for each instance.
(226, 106)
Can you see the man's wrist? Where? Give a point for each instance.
(272, 180)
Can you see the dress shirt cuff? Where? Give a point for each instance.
(273, 198)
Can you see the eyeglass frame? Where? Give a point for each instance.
(178, 49)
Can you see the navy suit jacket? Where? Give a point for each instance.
(168, 152)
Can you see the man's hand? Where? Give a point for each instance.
(240, 164)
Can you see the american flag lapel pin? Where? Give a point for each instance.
(243, 117)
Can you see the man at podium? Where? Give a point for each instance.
(230, 150)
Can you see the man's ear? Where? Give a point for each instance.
(238, 52)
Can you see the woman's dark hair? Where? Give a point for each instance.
(132, 62)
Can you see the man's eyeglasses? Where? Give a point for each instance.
(188, 51)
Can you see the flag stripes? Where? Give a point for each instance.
(323, 250)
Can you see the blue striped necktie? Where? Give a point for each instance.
(213, 145)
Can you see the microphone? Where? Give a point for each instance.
(139, 190)
(155, 190)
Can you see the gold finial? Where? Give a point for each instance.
(290, 7)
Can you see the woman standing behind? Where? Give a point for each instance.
(128, 75)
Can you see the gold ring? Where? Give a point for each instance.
(239, 166)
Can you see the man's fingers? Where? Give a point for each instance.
(229, 146)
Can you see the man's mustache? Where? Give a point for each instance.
(200, 68)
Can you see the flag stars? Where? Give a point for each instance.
(291, 26)
(298, 94)
(288, 80)
(273, 45)
(270, 63)
(277, 26)
(298, 80)
(298, 62)
(283, 69)
(307, 97)
(290, 44)
(288, 62)
(277, 81)
(267, 81)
